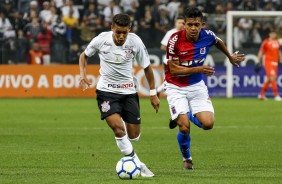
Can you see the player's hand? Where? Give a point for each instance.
(257, 67)
(207, 70)
(155, 101)
(236, 58)
(84, 83)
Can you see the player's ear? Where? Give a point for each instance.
(203, 24)
(112, 27)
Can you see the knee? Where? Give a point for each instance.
(208, 124)
(134, 138)
(184, 128)
(119, 131)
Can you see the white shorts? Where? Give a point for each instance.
(193, 98)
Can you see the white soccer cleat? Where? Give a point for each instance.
(262, 97)
(277, 98)
(145, 172)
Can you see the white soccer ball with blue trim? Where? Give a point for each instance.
(128, 168)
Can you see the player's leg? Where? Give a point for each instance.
(266, 83)
(272, 79)
(178, 106)
(110, 109)
(131, 116)
(201, 108)
(206, 119)
(184, 139)
(194, 119)
(114, 121)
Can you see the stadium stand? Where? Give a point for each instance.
(73, 23)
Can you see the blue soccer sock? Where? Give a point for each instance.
(194, 120)
(184, 144)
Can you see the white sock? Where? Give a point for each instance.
(124, 145)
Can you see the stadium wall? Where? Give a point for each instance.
(23, 81)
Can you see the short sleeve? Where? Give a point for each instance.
(211, 37)
(165, 39)
(263, 47)
(93, 46)
(142, 56)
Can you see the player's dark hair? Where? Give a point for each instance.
(179, 17)
(193, 12)
(122, 20)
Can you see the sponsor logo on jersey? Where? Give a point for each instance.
(171, 43)
(275, 45)
(191, 62)
(173, 58)
(105, 106)
(107, 44)
(203, 50)
(182, 53)
(126, 85)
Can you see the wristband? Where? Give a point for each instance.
(153, 92)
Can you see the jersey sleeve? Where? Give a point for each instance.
(165, 39)
(93, 46)
(263, 47)
(141, 55)
(211, 38)
(171, 49)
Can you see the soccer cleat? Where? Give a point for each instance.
(277, 98)
(187, 164)
(145, 172)
(172, 123)
(262, 97)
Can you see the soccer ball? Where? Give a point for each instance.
(128, 168)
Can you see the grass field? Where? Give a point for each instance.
(64, 141)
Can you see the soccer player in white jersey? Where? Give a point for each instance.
(116, 92)
(178, 25)
(185, 89)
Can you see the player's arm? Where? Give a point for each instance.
(84, 83)
(153, 92)
(260, 54)
(178, 70)
(280, 56)
(234, 58)
(163, 47)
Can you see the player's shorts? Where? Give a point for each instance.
(193, 98)
(126, 105)
(271, 68)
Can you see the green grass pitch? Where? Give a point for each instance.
(56, 141)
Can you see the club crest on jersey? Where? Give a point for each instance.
(203, 50)
(173, 110)
(105, 106)
(128, 54)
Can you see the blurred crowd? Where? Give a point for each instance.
(56, 31)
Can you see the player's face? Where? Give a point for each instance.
(272, 35)
(120, 34)
(193, 27)
(179, 24)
